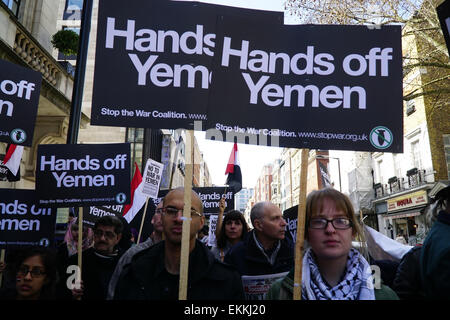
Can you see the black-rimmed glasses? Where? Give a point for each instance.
(322, 223)
(35, 272)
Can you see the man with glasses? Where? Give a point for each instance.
(99, 261)
(154, 273)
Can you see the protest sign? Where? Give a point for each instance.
(161, 53)
(330, 87)
(19, 99)
(23, 222)
(443, 12)
(210, 197)
(92, 214)
(83, 175)
(256, 287)
(212, 230)
(290, 215)
(152, 178)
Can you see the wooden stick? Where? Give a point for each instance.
(142, 222)
(2, 260)
(80, 243)
(185, 241)
(300, 227)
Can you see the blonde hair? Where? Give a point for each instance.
(314, 205)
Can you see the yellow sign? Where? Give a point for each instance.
(411, 200)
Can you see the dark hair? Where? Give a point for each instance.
(110, 221)
(48, 256)
(232, 215)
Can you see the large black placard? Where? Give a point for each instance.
(153, 59)
(83, 175)
(23, 222)
(308, 86)
(19, 99)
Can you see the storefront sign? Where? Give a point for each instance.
(408, 201)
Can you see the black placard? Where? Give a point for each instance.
(19, 99)
(23, 222)
(443, 12)
(92, 214)
(328, 87)
(83, 175)
(153, 61)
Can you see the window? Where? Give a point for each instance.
(410, 107)
(73, 9)
(415, 154)
(13, 5)
(379, 171)
(135, 136)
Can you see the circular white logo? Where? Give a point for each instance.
(44, 242)
(121, 198)
(18, 136)
(381, 137)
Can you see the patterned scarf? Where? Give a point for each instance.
(356, 284)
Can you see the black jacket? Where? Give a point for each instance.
(250, 261)
(96, 273)
(407, 282)
(146, 278)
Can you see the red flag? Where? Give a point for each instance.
(137, 197)
(234, 179)
(13, 157)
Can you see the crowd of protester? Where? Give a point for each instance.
(115, 267)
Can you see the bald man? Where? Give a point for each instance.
(265, 250)
(153, 273)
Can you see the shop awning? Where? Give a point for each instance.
(403, 214)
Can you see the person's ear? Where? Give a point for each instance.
(257, 224)
(119, 236)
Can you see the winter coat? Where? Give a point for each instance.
(407, 283)
(96, 273)
(124, 261)
(146, 278)
(435, 259)
(249, 260)
(283, 289)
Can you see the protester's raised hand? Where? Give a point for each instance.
(78, 293)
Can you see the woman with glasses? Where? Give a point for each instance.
(36, 275)
(332, 269)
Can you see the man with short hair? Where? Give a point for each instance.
(130, 253)
(153, 274)
(99, 261)
(265, 250)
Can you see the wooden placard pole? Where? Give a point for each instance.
(184, 258)
(301, 216)
(142, 222)
(80, 244)
(2, 260)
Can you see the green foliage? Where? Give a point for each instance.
(66, 41)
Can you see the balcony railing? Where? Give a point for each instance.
(413, 179)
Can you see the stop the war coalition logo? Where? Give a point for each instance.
(23, 222)
(83, 175)
(19, 98)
